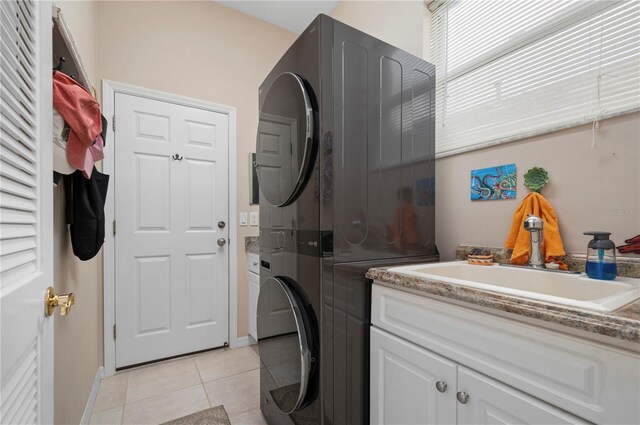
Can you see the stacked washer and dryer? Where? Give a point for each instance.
(345, 160)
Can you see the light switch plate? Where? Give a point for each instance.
(253, 218)
(243, 219)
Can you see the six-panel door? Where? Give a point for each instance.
(171, 190)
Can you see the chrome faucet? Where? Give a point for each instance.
(534, 225)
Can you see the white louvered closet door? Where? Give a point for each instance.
(26, 209)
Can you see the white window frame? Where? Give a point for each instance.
(445, 76)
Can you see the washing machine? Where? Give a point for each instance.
(345, 164)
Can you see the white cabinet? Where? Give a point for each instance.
(492, 402)
(254, 290)
(411, 385)
(511, 370)
(405, 380)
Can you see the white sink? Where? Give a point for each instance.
(571, 290)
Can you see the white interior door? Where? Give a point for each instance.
(171, 191)
(26, 210)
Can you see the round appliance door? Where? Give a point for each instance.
(285, 140)
(284, 342)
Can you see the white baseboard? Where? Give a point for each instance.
(243, 342)
(88, 410)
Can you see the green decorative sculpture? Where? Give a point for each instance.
(536, 178)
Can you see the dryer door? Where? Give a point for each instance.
(285, 140)
(285, 345)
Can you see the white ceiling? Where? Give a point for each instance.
(293, 15)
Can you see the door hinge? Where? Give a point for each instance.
(114, 331)
(113, 122)
(114, 227)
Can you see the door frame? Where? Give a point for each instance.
(109, 90)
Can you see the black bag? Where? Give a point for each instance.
(87, 225)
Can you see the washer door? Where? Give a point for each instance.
(285, 140)
(285, 345)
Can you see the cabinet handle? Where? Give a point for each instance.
(462, 397)
(441, 386)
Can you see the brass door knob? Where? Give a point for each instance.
(52, 300)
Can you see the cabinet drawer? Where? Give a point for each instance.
(253, 261)
(590, 380)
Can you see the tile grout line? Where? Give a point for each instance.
(199, 372)
(161, 394)
(136, 408)
(201, 379)
(166, 392)
(124, 404)
(101, 387)
(202, 383)
(206, 395)
(233, 374)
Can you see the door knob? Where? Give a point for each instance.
(222, 242)
(462, 397)
(221, 224)
(441, 386)
(64, 301)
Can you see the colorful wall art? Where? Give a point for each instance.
(490, 184)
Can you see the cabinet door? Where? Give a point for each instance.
(403, 383)
(254, 291)
(492, 402)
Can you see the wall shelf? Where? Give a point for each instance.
(64, 46)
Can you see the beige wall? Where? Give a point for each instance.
(202, 50)
(589, 189)
(78, 336)
(399, 23)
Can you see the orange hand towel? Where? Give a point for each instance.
(518, 239)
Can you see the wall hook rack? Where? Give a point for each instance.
(61, 61)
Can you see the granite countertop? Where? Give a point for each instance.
(252, 244)
(622, 324)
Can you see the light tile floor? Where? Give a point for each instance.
(171, 389)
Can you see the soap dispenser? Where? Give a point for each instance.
(601, 256)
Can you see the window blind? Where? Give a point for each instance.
(507, 69)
